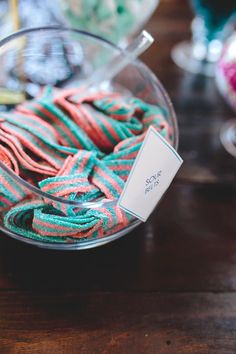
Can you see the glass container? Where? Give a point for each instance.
(73, 56)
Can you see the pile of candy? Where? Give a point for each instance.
(112, 19)
(75, 146)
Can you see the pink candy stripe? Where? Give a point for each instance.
(97, 182)
(95, 132)
(67, 93)
(48, 225)
(100, 96)
(110, 128)
(49, 132)
(71, 190)
(109, 215)
(152, 118)
(55, 184)
(121, 167)
(108, 178)
(10, 188)
(121, 216)
(5, 201)
(73, 112)
(67, 230)
(44, 152)
(59, 123)
(123, 143)
(130, 156)
(65, 166)
(12, 159)
(25, 160)
(84, 160)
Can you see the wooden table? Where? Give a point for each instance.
(169, 286)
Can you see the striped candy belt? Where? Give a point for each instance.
(76, 147)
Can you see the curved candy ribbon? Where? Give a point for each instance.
(80, 148)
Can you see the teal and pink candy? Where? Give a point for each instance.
(79, 148)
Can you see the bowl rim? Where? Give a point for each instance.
(78, 244)
(138, 63)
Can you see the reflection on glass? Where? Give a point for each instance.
(211, 25)
(228, 137)
(38, 70)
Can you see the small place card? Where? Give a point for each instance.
(152, 173)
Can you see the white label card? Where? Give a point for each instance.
(153, 171)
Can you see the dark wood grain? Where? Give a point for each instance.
(169, 286)
(188, 237)
(112, 323)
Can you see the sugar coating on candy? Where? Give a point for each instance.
(79, 148)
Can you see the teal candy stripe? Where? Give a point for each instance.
(134, 125)
(65, 149)
(123, 153)
(122, 174)
(106, 219)
(125, 165)
(122, 129)
(109, 106)
(61, 187)
(98, 118)
(11, 195)
(91, 160)
(84, 172)
(61, 131)
(89, 196)
(61, 179)
(47, 93)
(54, 223)
(2, 203)
(29, 123)
(17, 187)
(39, 143)
(22, 228)
(110, 185)
(83, 139)
(127, 143)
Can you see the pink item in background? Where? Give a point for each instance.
(226, 72)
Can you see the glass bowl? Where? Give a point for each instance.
(64, 58)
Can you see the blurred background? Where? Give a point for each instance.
(176, 282)
(194, 56)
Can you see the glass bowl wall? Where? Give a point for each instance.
(36, 57)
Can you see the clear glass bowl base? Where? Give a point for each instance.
(80, 245)
(228, 137)
(182, 55)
